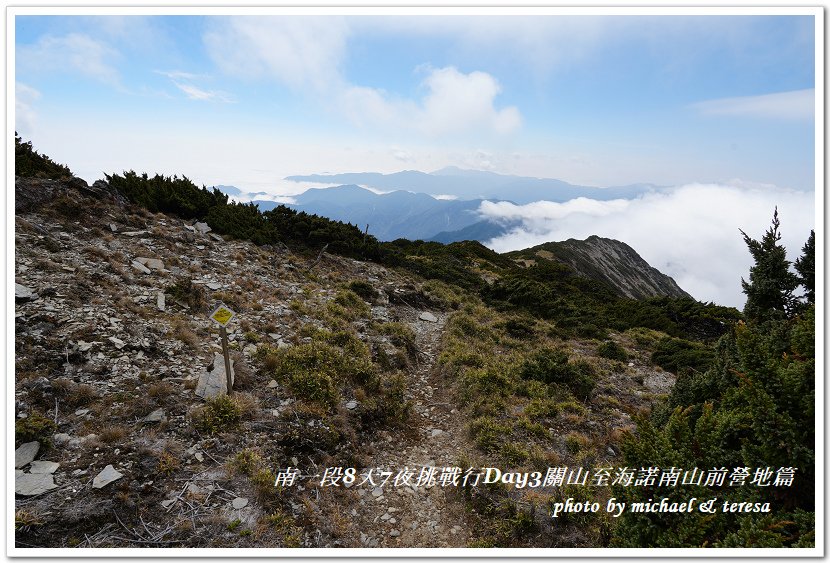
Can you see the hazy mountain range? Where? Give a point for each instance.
(441, 206)
(478, 184)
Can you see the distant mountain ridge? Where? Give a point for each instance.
(479, 184)
(390, 216)
(439, 206)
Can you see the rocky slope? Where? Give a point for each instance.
(609, 261)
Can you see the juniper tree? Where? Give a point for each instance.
(769, 291)
(806, 268)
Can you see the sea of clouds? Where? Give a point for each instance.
(690, 232)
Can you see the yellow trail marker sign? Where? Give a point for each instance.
(222, 315)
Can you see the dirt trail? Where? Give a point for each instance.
(402, 516)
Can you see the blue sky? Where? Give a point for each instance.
(599, 100)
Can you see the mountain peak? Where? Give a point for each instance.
(610, 261)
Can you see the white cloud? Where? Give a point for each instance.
(690, 233)
(793, 105)
(454, 103)
(300, 51)
(196, 93)
(25, 117)
(458, 101)
(73, 52)
(308, 53)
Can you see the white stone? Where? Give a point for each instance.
(44, 467)
(139, 266)
(202, 228)
(428, 317)
(25, 454)
(199, 457)
(152, 263)
(23, 293)
(105, 477)
(214, 286)
(272, 384)
(214, 382)
(155, 416)
(240, 502)
(30, 484)
(168, 503)
(351, 405)
(394, 533)
(160, 301)
(61, 439)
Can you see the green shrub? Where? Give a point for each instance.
(488, 434)
(186, 291)
(533, 428)
(311, 385)
(487, 382)
(35, 427)
(645, 337)
(28, 162)
(350, 301)
(672, 354)
(400, 335)
(363, 288)
(386, 401)
(220, 414)
(613, 351)
(245, 462)
(541, 408)
(513, 453)
(573, 443)
(551, 365)
(518, 327)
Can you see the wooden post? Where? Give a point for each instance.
(224, 334)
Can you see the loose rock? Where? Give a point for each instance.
(105, 477)
(214, 382)
(22, 294)
(25, 454)
(156, 416)
(239, 502)
(61, 439)
(152, 263)
(139, 266)
(39, 467)
(30, 484)
(428, 317)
